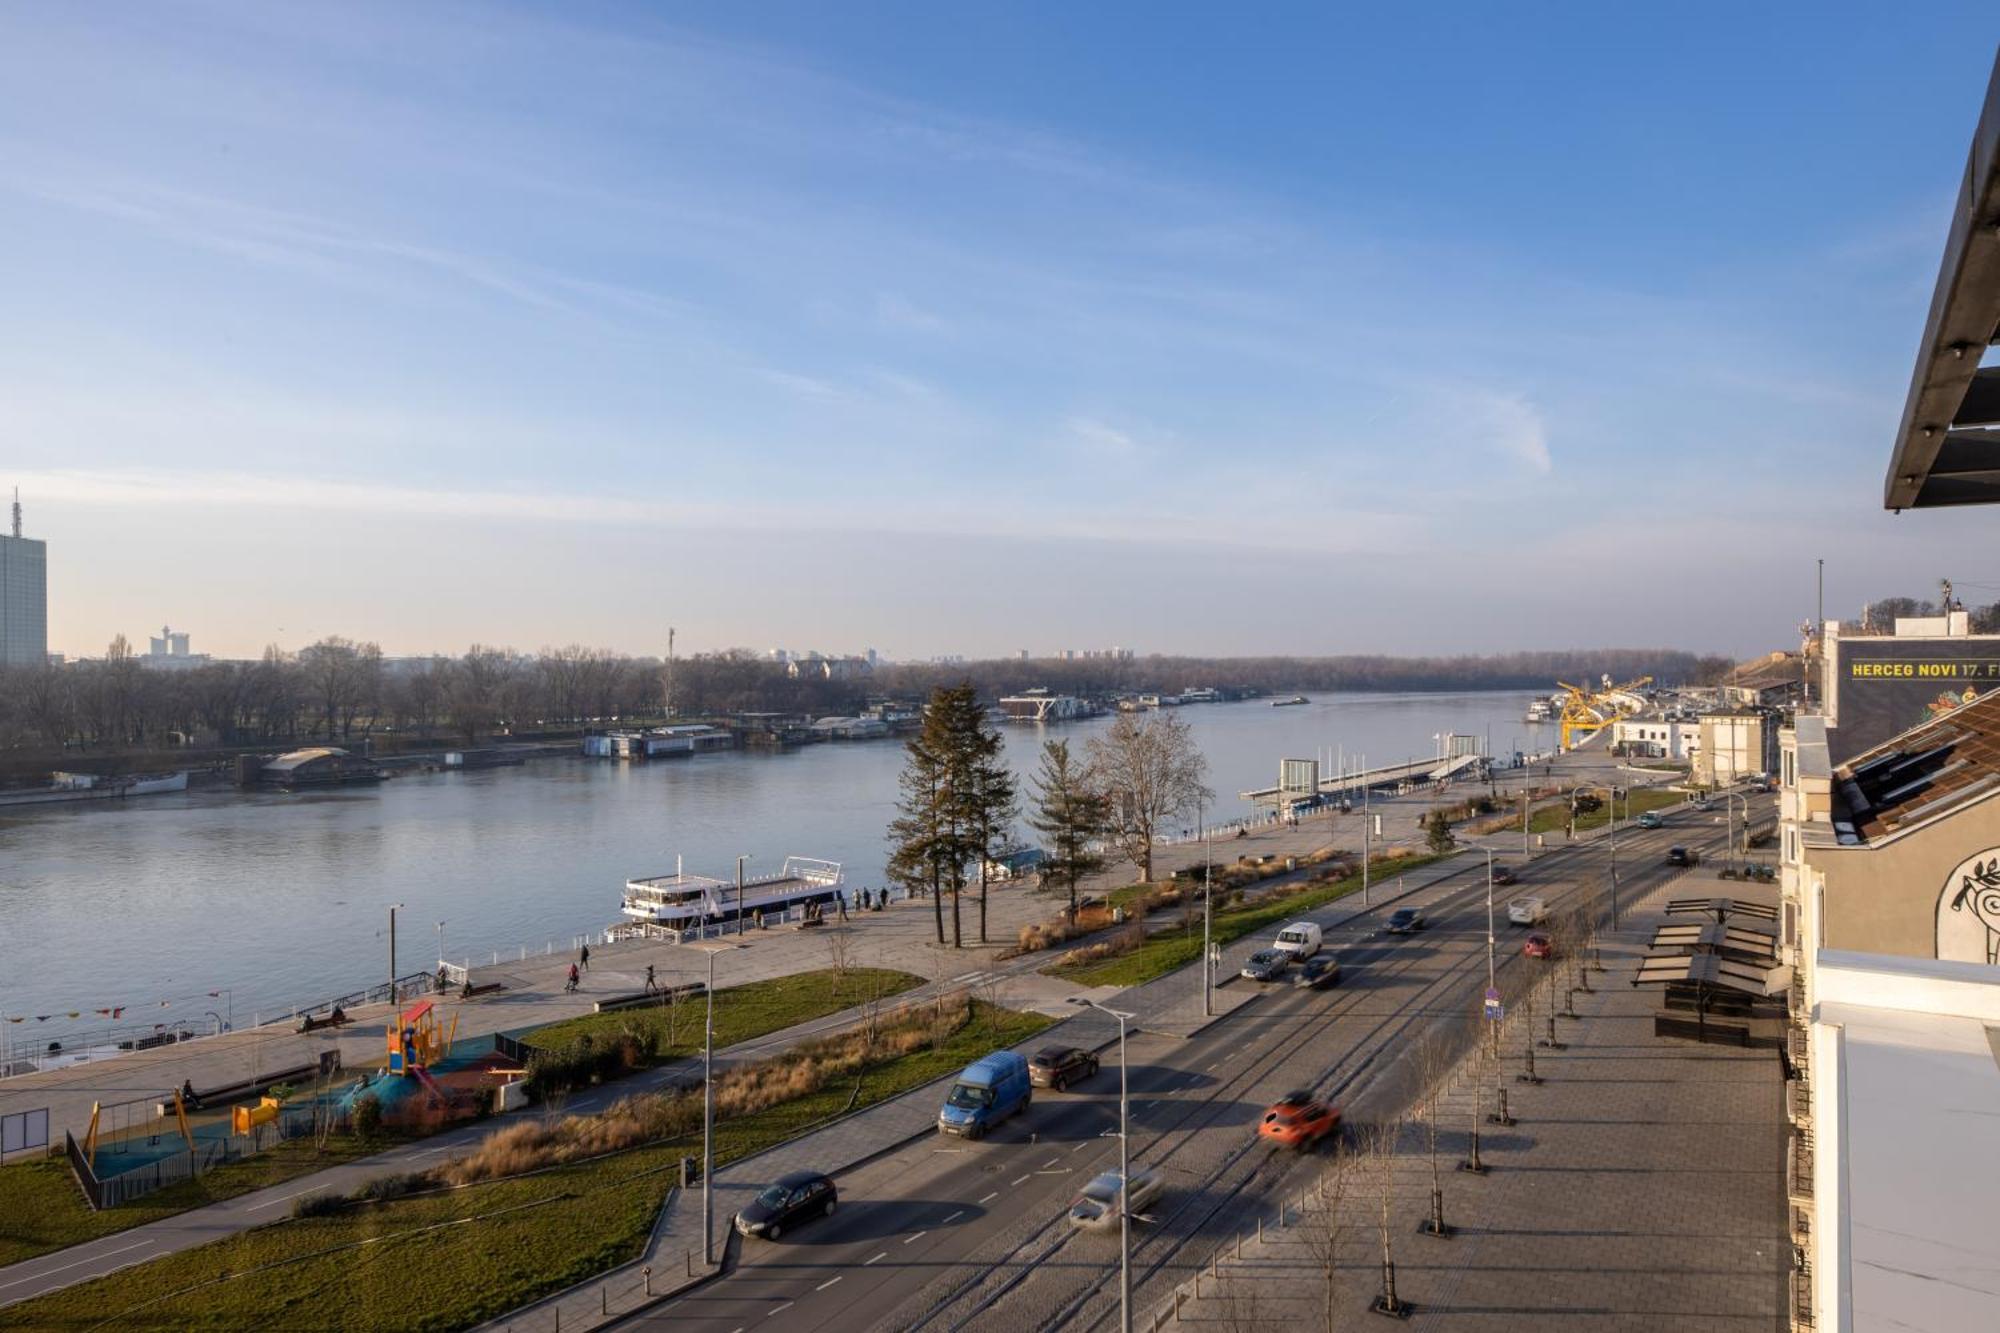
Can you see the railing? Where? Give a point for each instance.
(111, 1191)
(1799, 1168)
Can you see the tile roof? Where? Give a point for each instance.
(1928, 770)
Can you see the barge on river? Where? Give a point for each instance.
(680, 901)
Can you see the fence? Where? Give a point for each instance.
(110, 1191)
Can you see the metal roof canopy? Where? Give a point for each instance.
(1709, 969)
(1721, 908)
(1754, 944)
(1945, 453)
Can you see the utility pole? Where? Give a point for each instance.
(1124, 1173)
(1367, 838)
(392, 958)
(739, 893)
(1207, 959)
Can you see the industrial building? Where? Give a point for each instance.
(24, 597)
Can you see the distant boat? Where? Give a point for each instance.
(1539, 710)
(1292, 702)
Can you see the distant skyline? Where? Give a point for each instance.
(950, 330)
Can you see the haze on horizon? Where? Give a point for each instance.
(950, 330)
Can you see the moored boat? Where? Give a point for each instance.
(680, 901)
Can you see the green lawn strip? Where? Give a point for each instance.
(42, 1209)
(754, 1009)
(1166, 953)
(1553, 818)
(363, 1270)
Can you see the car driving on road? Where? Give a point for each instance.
(1406, 920)
(789, 1200)
(1299, 1120)
(1317, 974)
(1505, 875)
(1539, 946)
(1650, 819)
(1096, 1209)
(1682, 856)
(1264, 965)
(1059, 1066)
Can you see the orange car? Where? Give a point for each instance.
(1299, 1120)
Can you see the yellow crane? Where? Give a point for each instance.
(1586, 711)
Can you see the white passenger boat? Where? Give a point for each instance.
(681, 900)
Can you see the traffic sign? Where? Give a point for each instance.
(1495, 1011)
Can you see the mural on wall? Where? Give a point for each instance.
(1968, 913)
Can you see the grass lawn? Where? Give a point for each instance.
(41, 1208)
(753, 1009)
(1551, 819)
(1166, 953)
(451, 1260)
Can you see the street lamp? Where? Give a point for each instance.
(392, 956)
(1611, 797)
(1124, 1173)
(739, 892)
(708, 1104)
(1729, 831)
(440, 946)
(1207, 958)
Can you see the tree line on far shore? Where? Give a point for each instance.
(336, 690)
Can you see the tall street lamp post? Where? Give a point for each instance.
(392, 958)
(1124, 1174)
(708, 1106)
(739, 892)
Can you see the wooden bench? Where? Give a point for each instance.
(687, 990)
(224, 1093)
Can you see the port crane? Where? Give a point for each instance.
(1587, 711)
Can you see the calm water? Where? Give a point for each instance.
(283, 899)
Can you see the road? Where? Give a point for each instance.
(947, 1234)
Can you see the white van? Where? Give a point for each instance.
(1527, 910)
(1300, 939)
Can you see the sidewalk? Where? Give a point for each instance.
(1641, 1188)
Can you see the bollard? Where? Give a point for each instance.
(1177, 1305)
(648, 1271)
(1260, 1228)
(1239, 1247)
(689, 1256)
(604, 1300)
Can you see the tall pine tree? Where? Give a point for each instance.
(1071, 816)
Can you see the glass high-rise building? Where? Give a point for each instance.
(24, 598)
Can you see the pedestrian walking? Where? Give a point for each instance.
(584, 958)
(569, 986)
(842, 899)
(651, 985)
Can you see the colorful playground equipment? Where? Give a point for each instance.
(120, 1123)
(418, 1040)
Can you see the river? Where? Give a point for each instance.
(273, 900)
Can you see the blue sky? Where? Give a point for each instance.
(965, 329)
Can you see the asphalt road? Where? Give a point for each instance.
(947, 1234)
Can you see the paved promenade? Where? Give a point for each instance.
(1642, 1188)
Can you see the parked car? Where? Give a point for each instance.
(1527, 910)
(991, 1089)
(1317, 974)
(1059, 1066)
(1683, 856)
(1265, 965)
(1300, 939)
(1505, 875)
(1405, 920)
(1650, 819)
(1299, 1120)
(1539, 946)
(789, 1200)
(1096, 1209)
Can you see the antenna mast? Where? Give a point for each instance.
(17, 511)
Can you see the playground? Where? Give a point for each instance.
(422, 1083)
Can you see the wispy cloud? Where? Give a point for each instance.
(1103, 437)
(899, 312)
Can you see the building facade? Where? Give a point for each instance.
(24, 598)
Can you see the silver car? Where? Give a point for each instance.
(1096, 1209)
(1264, 965)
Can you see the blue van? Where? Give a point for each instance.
(990, 1090)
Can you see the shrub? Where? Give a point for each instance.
(321, 1203)
(367, 1115)
(392, 1186)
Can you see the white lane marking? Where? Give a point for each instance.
(789, 1304)
(102, 1254)
(830, 1281)
(1029, 1176)
(1079, 1148)
(1051, 1162)
(953, 1218)
(920, 1235)
(883, 1255)
(272, 1203)
(1216, 1063)
(989, 1198)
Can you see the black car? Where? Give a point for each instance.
(1059, 1066)
(1316, 974)
(1681, 856)
(1406, 920)
(1505, 875)
(789, 1200)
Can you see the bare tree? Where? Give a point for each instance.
(1322, 1229)
(1380, 1143)
(1433, 1066)
(839, 953)
(1151, 771)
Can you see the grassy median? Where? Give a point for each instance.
(1167, 953)
(742, 1013)
(453, 1259)
(1554, 818)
